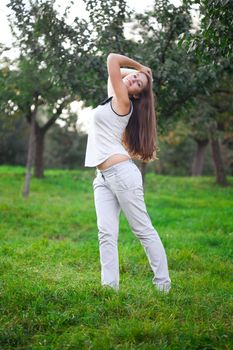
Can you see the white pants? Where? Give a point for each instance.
(120, 187)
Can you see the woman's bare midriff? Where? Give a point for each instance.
(116, 158)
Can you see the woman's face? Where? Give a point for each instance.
(135, 83)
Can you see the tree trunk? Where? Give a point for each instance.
(143, 170)
(39, 151)
(198, 161)
(217, 158)
(30, 155)
(158, 167)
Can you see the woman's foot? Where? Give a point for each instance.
(112, 286)
(163, 287)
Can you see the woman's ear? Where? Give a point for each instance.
(136, 97)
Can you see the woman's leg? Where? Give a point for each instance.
(131, 199)
(107, 212)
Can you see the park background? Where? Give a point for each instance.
(52, 74)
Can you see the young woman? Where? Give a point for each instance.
(121, 128)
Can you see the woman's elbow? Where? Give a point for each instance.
(111, 55)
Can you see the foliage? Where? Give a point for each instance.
(13, 141)
(65, 148)
(44, 67)
(61, 62)
(58, 64)
(107, 19)
(107, 23)
(178, 77)
(177, 149)
(213, 41)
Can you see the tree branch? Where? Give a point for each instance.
(228, 92)
(52, 120)
(162, 59)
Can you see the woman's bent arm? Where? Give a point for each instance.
(124, 73)
(124, 61)
(114, 64)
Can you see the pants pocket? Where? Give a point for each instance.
(94, 182)
(129, 179)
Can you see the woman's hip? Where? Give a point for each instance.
(123, 176)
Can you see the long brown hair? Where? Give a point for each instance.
(140, 135)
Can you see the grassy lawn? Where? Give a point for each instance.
(50, 292)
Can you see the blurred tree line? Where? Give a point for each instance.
(61, 62)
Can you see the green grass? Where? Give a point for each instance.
(50, 292)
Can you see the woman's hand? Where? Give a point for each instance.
(146, 70)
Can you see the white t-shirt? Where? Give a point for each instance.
(104, 135)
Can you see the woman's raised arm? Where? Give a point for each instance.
(115, 62)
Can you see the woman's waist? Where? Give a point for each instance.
(112, 160)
